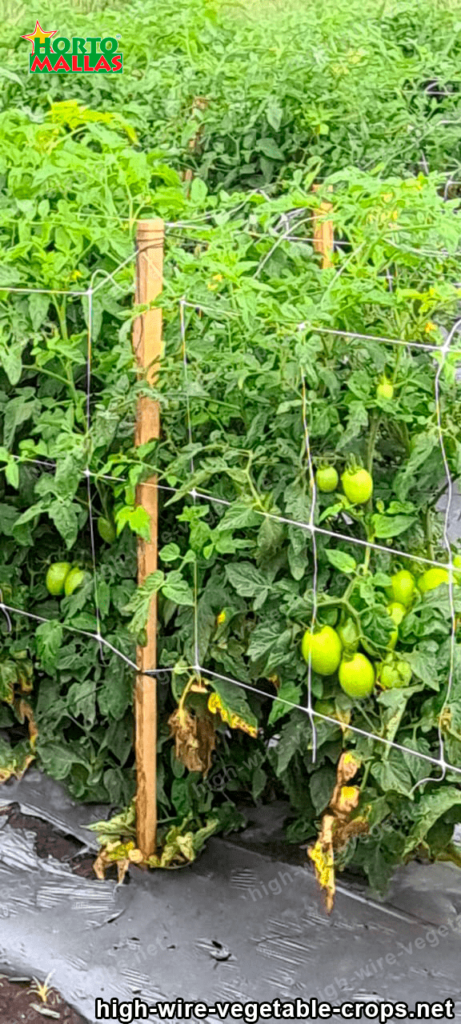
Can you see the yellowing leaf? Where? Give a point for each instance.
(337, 828)
(216, 706)
(322, 856)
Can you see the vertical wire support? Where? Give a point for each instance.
(446, 542)
(182, 322)
(87, 472)
(313, 490)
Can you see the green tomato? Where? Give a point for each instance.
(397, 612)
(385, 389)
(432, 579)
(357, 676)
(348, 634)
(325, 707)
(402, 588)
(393, 639)
(326, 479)
(394, 673)
(457, 563)
(73, 580)
(56, 577)
(106, 530)
(357, 485)
(322, 649)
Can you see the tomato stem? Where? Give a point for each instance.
(344, 604)
(427, 520)
(365, 776)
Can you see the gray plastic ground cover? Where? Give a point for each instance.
(237, 925)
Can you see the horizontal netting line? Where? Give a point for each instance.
(8, 609)
(438, 762)
(246, 686)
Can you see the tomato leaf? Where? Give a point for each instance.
(341, 560)
(49, 637)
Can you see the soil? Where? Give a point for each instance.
(19, 1002)
(49, 842)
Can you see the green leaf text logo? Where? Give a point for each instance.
(77, 55)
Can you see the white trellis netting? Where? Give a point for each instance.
(310, 527)
(313, 530)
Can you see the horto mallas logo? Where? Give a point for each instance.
(77, 55)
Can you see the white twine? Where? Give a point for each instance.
(447, 545)
(182, 321)
(335, 721)
(313, 487)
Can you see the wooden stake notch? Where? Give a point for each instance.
(147, 345)
(323, 231)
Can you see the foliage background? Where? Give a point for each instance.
(371, 104)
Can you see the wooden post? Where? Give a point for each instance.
(323, 231)
(147, 344)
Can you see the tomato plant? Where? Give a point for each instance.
(275, 345)
(262, 569)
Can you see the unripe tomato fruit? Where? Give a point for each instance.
(323, 649)
(73, 580)
(326, 479)
(357, 676)
(402, 587)
(357, 485)
(385, 389)
(106, 530)
(324, 707)
(394, 673)
(393, 639)
(397, 612)
(56, 577)
(432, 579)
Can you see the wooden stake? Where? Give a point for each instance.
(147, 344)
(323, 231)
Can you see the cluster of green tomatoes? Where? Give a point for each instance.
(357, 483)
(63, 578)
(331, 650)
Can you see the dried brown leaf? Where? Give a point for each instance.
(195, 739)
(100, 865)
(25, 712)
(336, 828)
